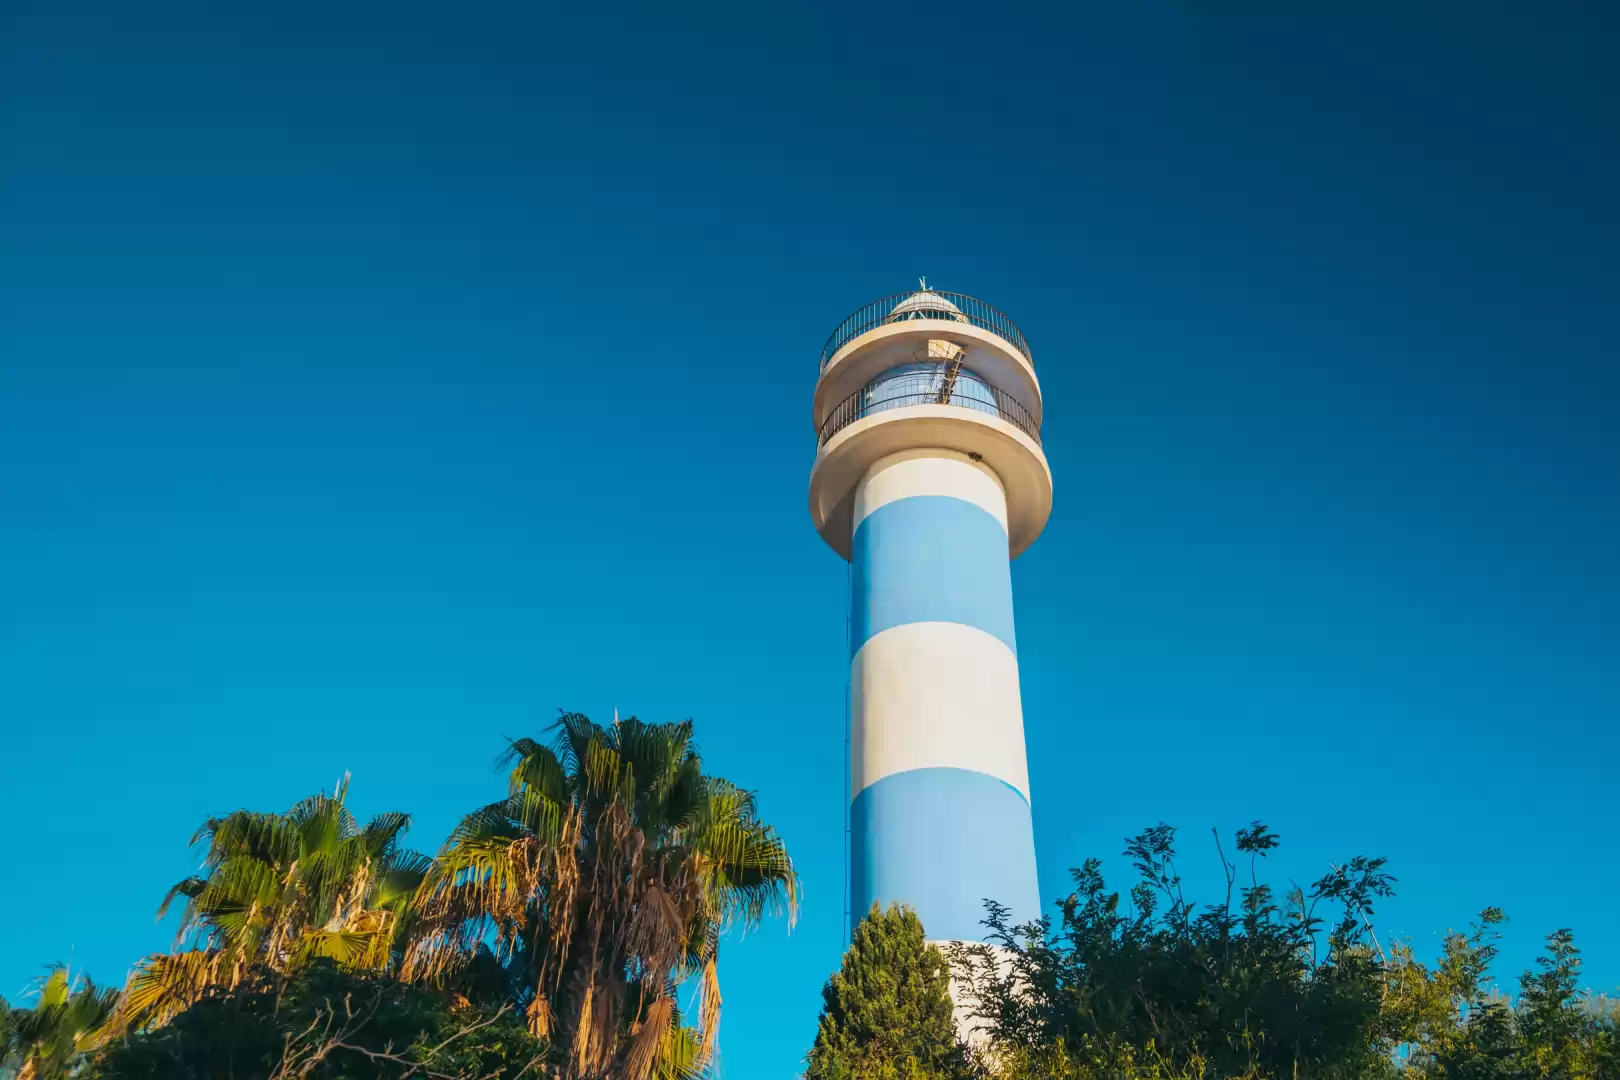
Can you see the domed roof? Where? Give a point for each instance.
(926, 304)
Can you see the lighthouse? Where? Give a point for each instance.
(929, 479)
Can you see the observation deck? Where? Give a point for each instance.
(928, 370)
(926, 304)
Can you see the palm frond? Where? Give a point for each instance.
(681, 1056)
(708, 1028)
(270, 838)
(573, 731)
(535, 766)
(497, 819)
(383, 832)
(188, 888)
(161, 987)
(359, 949)
(54, 988)
(648, 1039)
(399, 877)
(323, 822)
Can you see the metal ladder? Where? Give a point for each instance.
(947, 385)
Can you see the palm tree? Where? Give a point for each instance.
(45, 1041)
(276, 891)
(600, 884)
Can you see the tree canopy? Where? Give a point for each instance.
(325, 1022)
(1265, 986)
(887, 1013)
(604, 879)
(571, 910)
(561, 929)
(46, 1041)
(276, 891)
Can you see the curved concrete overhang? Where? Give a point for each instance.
(889, 346)
(1015, 458)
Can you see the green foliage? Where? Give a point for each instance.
(1247, 989)
(887, 1013)
(573, 909)
(1157, 987)
(549, 937)
(326, 1023)
(45, 1042)
(8, 1027)
(276, 891)
(1450, 1024)
(603, 880)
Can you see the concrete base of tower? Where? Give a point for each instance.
(1014, 458)
(966, 970)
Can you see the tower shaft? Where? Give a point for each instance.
(940, 815)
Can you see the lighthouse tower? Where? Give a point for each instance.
(929, 478)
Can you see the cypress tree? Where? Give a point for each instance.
(886, 1014)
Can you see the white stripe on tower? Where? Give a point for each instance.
(925, 472)
(906, 716)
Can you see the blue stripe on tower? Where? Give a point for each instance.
(944, 841)
(931, 558)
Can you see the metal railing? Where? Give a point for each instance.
(969, 310)
(858, 407)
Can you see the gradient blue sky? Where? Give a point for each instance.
(376, 379)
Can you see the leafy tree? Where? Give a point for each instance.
(326, 1023)
(1160, 987)
(44, 1042)
(1157, 987)
(1600, 1037)
(1451, 1025)
(887, 1013)
(277, 891)
(602, 881)
(1547, 1011)
(1436, 1015)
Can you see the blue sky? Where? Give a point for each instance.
(377, 379)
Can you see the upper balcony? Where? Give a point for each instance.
(936, 371)
(932, 305)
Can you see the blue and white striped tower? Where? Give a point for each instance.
(929, 478)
